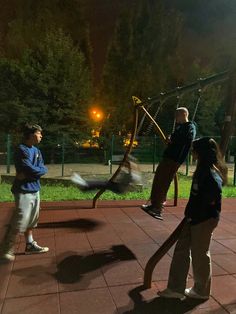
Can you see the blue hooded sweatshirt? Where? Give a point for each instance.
(29, 161)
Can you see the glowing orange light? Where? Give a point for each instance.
(96, 114)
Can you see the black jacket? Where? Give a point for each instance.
(181, 140)
(205, 196)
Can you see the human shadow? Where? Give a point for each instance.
(158, 305)
(72, 268)
(81, 224)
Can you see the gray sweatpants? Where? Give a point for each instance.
(25, 216)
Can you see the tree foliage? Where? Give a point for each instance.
(50, 84)
(24, 23)
(157, 45)
(160, 45)
(141, 57)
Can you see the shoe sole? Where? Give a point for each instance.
(39, 252)
(172, 296)
(198, 297)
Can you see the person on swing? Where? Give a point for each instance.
(178, 146)
(128, 177)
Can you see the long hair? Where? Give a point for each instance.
(209, 156)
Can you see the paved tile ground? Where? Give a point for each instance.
(97, 258)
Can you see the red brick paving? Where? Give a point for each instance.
(97, 258)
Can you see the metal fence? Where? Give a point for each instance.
(63, 151)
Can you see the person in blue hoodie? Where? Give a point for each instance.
(30, 167)
(202, 215)
(178, 146)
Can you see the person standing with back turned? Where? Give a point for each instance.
(29, 168)
(178, 146)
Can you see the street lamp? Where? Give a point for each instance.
(96, 114)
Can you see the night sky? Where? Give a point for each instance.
(207, 30)
(102, 15)
(102, 20)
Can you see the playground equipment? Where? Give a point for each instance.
(230, 117)
(144, 106)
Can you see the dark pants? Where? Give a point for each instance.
(165, 173)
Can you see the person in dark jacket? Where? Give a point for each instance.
(202, 216)
(178, 145)
(26, 186)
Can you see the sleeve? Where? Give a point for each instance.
(189, 134)
(185, 135)
(192, 132)
(209, 192)
(203, 200)
(28, 168)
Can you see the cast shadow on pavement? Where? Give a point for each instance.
(72, 268)
(81, 224)
(158, 305)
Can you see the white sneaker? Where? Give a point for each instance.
(7, 257)
(168, 293)
(76, 178)
(194, 295)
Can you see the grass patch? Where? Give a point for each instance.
(65, 193)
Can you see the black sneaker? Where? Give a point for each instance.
(153, 211)
(34, 248)
(146, 206)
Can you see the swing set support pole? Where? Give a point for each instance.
(124, 160)
(163, 249)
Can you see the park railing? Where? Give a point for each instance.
(64, 151)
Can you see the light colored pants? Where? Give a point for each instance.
(25, 216)
(193, 246)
